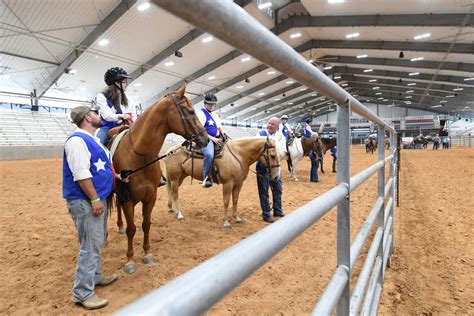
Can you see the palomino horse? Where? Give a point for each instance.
(370, 145)
(387, 143)
(300, 147)
(233, 168)
(326, 144)
(142, 143)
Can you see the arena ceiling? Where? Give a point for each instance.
(408, 53)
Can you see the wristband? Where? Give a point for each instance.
(95, 200)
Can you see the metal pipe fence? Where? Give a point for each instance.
(197, 290)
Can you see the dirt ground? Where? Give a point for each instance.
(432, 266)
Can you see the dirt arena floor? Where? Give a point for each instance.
(432, 266)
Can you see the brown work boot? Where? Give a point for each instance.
(94, 302)
(106, 280)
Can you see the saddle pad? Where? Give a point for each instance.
(116, 140)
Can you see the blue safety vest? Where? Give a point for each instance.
(210, 124)
(109, 124)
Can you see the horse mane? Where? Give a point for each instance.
(278, 145)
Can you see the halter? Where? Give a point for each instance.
(265, 154)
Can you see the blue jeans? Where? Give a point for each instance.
(91, 231)
(314, 170)
(263, 183)
(102, 134)
(208, 153)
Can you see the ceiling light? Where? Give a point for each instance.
(352, 35)
(337, 77)
(362, 56)
(381, 98)
(458, 89)
(468, 79)
(295, 35)
(271, 72)
(239, 87)
(314, 95)
(355, 95)
(368, 70)
(335, 1)
(444, 101)
(277, 99)
(144, 6)
(417, 59)
(450, 96)
(178, 54)
(344, 85)
(169, 63)
(290, 103)
(328, 67)
(408, 97)
(466, 107)
(385, 100)
(289, 82)
(103, 42)
(375, 88)
(245, 59)
(264, 5)
(138, 84)
(372, 80)
(207, 39)
(303, 89)
(378, 93)
(261, 93)
(413, 73)
(211, 77)
(437, 106)
(310, 61)
(422, 36)
(410, 91)
(401, 55)
(407, 102)
(412, 84)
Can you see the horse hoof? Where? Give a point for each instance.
(296, 180)
(238, 220)
(227, 225)
(180, 217)
(121, 230)
(130, 268)
(149, 259)
(170, 210)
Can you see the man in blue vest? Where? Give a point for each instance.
(308, 132)
(88, 180)
(212, 123)
(264, 183)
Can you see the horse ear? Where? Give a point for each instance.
(182, 90)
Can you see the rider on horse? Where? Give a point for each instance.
(212, 123)
(113, 102)
(286, 130)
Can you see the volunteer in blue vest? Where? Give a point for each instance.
(308, 133)
(264, 183)
(113, 102)
(334, 157)
(88, 180)
(212, 123)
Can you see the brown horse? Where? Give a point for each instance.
(233, 168)
(326, 144)
(300, 147)
(387, 143)
(370, 146)
(142, 143)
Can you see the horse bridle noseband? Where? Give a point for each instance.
(266, 147)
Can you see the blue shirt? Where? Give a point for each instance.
(102, 175)
(210, 125)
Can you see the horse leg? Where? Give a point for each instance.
(321, 164)
(176, 205)
(129, 211)
(146, 211)
(235, 200)
(121, 230)
(226, 191)
(170, 195)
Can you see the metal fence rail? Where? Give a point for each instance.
(198, 289)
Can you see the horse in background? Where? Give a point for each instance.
(140, 146)
(233, 167)
(326, 144)
(387, 143)
(370, 145)
(420, 139)
(301, 147)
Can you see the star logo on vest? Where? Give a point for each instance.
(100, 165)
(211, 123)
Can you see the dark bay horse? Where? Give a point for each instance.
(326, 144)
(233, 168)
(142, 143)
(370, 145)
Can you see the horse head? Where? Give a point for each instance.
(186, 123)
(270, 158)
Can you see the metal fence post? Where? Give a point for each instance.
(381, 193)
(343, 207)
(392, 192)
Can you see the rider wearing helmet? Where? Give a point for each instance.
(113, 102)
(308, 132)
(212, 123)
(285, 128)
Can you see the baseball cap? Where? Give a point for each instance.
(78, 113)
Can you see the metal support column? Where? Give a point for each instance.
(381, 193)
(343, 207)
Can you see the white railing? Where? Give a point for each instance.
(198, 289)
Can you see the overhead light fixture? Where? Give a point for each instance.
(352, 35)
(378, 93)
(207, 39)
(410, 91)
(169, 64)
(336, 1)
(211, 77)
(289, 82)
(103, 42)
(247, 80)
(408, 97)
(381, 98)
(271, 72)
(303, 89)
(458, 89)
(290, 103)
(468, 79)
(295, 35)
(407, 102)
(450, 96)
(239, 87)
(368, 70)
(412, 84)
(327, 67)
(344, 85)
(417, 59)
(413, 73)
(261, 93)
(401, 55)
(144, 6)
(245, 59)
(138, 84)
(443, 101)
(385, 100)
(437, 106)
(421, 36)
(178, 54)
(362, 56)
(337, 77)
(264, 5)
(375, 88)
(372, 80)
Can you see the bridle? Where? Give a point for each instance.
(265, 154)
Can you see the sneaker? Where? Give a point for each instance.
(206, 183)
(106, 280)
(278, 215)
(268, 219)
(94, 302)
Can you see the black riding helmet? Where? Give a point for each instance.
(308, 120)
(115, 74)
(210, 98)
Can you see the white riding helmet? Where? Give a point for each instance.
(284, 117)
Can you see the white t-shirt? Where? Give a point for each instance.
(109, 113)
